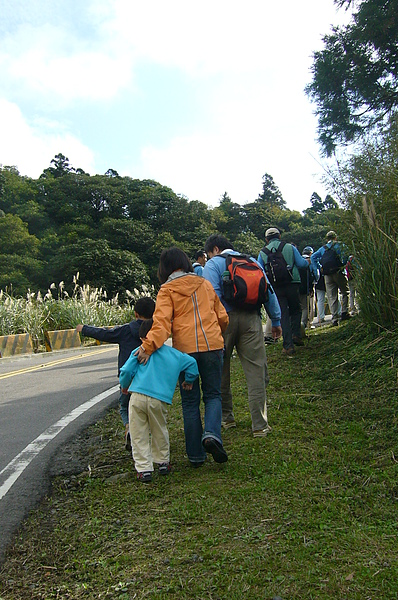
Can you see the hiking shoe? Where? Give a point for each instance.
(228, 424)
(145, 477)
(262, 432)
(164, 468)
(196, 465)
(127, 441)
(213, 447)
(288, 352)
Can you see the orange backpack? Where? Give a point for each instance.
(244, 282)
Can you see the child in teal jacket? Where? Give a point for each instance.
(152, 386)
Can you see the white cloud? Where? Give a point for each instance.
(47, 59)
(31, 148)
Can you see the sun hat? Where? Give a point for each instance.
(272, 231)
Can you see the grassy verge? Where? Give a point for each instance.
(309, 512)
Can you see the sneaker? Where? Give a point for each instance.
(196, 465)
(127, 441)
(262, 432)
(228, 424)
(164, 468)
(288, 352)
(145, 477)
(215, 448)
(297, 341)
(268, 340)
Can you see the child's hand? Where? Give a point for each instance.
(79, 327)
(142, 356)
(187, 386)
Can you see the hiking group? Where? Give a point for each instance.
(209, 309)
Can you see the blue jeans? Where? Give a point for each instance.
(210, 368)
(124, 400)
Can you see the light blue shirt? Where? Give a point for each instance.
(158, 378)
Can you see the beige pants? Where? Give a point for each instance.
(335, 283)
(148, 431)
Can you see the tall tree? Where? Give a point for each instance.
(355, 76)
(271, 194)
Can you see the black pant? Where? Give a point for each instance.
(289, 301)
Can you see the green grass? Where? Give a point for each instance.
(308, 513)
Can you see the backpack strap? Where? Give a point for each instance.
(268, 252)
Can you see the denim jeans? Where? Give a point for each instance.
(210, 368)
(124, 400)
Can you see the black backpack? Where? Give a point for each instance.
(330, 261)
(276, 266)
(244, 282)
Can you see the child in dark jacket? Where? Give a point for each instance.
(152, 386)
(128, 339)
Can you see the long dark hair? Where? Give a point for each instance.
(173, 259)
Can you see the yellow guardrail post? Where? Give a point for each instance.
(62, 339)
(20, 343)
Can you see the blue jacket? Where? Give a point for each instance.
(341, 250)
(158, 378)
(198, 269)
(125, 335)
(213, 271)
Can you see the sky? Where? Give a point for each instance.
(203, 97)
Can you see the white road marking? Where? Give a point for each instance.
(17, 466)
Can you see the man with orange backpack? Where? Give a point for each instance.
(244, 332)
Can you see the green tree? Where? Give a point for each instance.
(271, 194)
(355, 75)
(99, 266)
(60, 166)
(15, 237)
(371, 173)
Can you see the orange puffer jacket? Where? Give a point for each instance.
(188, 308)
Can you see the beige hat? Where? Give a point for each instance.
(331, 235)
(272, 231)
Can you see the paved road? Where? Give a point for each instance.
(45, 400)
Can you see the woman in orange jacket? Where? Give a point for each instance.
(188, 308)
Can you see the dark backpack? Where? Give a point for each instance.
(330, 261)
(244, 282)
(276, 266)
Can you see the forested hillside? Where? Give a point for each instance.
(111, 229)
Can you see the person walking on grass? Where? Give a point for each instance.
(152, 386)
(128, 339)
(306, 290)
(282, 261)
(188, 309)
(330, 259)
(245, 333)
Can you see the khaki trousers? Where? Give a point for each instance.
(148, 431)
(245, 333)
(334, 283)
